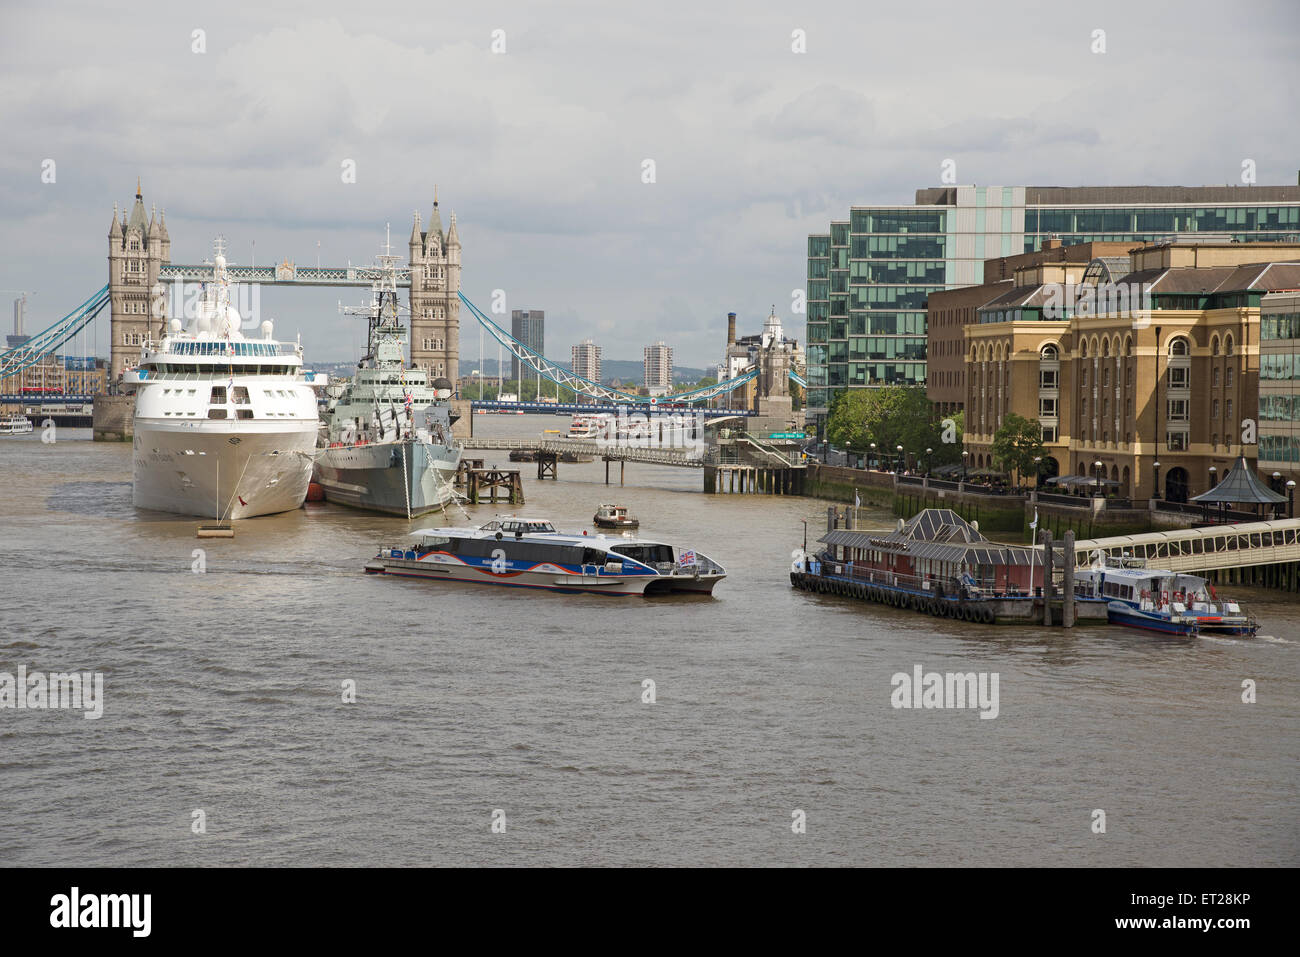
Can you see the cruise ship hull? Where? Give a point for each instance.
(226, 474)
(389, 477)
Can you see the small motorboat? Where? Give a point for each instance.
(614, 516)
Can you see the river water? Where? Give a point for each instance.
(223, 694)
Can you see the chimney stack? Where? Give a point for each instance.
(731, 329)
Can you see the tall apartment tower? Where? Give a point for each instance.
(137, 251)
(529, 327)
(435, 308)
(586, 360)
(658, 368)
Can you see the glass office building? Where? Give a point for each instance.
(1279, 383)
(869, 277)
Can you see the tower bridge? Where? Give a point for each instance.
(140, 272)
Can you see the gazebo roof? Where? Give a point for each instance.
(1241, 486)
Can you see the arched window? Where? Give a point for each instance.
(1178, 347)
(1214, 346)
(1227, 345)
(1049, 353)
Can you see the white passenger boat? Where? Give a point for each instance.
(591, 425)
(15, 424)
(530, 553)
(225, 426)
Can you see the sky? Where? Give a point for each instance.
(539, 145)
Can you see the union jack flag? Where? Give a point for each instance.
(686, 558)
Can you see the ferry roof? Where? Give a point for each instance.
(559, 538)
(1138, 573)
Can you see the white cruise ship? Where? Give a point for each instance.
(225, 426)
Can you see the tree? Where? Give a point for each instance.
(705, 382)
(1016, 443)
(891, 416)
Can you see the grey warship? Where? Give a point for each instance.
(386, 442)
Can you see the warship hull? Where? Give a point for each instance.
(395, 478)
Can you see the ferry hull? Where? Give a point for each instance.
(229, 474)
(374, 477)
(1131, 618)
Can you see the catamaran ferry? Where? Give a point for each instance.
(530, 553)
(1157, 599)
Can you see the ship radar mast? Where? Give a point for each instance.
(385, 333)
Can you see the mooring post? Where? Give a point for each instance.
(1047, 576)
(1067, 582)
(622, 466)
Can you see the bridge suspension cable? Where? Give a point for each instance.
(48, 340)
(577, 383)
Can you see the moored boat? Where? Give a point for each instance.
(530, 553)
(1161, 600)
(614, 516)
(224, 424)
(387, 444)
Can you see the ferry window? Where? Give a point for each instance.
(647, 554)
(218, 396)
(244, 413)
(216, 413)
(240, 395)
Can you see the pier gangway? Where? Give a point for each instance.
(1196, 550)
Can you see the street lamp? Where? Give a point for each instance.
(1038, 471)
(898, 469)
(965, 457)
(1290, 494)
(928, 453)
(1101, 470)
(1155, 479)
(873, 455)
(1214, 472)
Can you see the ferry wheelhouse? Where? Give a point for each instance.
(531, 553)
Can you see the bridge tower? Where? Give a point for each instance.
(435, 308)
(137, 251)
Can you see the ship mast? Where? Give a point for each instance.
(384, 312)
